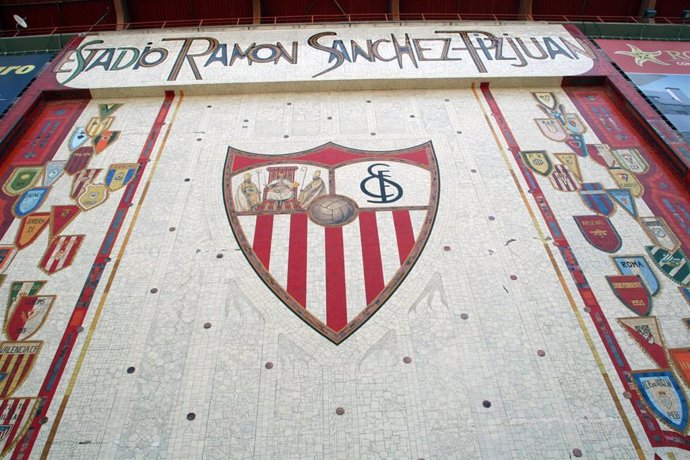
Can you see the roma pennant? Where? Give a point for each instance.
(105, 140)
(7, 254)
(632, 292)
(30, 228)
(27, 316)
(16, 415)
(563, 179)
(78, 138)
(571, 161)
(638, 265)
(78, 160)
(276, 204)
(664, 396)
(537, 161)
(21, 180)
(645, 331)
(92, 196)
(681, 362)
(672, 264)
(60, 253)
(632, 160)
(599, 232)
(659, 232)
(625, 199)
(596, 199)
(120, 174)
(627, 180)
(30, 201)
(97, 125)
(82, 179)
(61, 216)
(16, 361)
(53, 171)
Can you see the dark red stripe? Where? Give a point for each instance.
(336, 303)
(371, 255)
(263, 234)
(297, 259)
(19, 421)
(404, 233)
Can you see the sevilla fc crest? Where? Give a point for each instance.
(332, 231)
(632, 292)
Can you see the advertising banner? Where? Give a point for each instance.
(16, 72)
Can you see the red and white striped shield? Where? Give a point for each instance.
(332, 231)
(15, 417)
(60, 253)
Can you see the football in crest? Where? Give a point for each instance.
(333, 210)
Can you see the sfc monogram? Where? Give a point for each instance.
(332, 231)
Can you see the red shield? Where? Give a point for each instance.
(78, 160)
(27, 316)
(332, 231)
(632, 292)
(60, 253)
(599, 232)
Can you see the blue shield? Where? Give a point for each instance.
(637, 265)
(78, 138)
(30, 201)
(595, 198)
(664, 397)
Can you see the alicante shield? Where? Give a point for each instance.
(681, 362)
(60, 253)
(21, 180)
(563, 179)
(16, 415)
(119, 175)
(7, 254)
(646, 332)
(632, 160)
(626, 179)
(624, 199)
(97, 125)
(599, 232)
(27, 316)
(596, 199)
(78, 160)
(632, 292)
(82, 179)
(31, 228)
(664, 396)
(332, 231)
(537, 161)
(53, 171)
(659, 232)
(92, 196)
(78, 138)
(16, 361)
(638, 265)
(30, 201)
(672, 264)
(552, 129)
(105, 140)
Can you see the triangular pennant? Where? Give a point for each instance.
(30, 228)
(624, 197)
(105, 110)
(61, 216)
(646, 332)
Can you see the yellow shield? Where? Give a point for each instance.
(538, 161)
(570, 160)
(626, 179)
(92, 196)
(97, 125)
(120, 174)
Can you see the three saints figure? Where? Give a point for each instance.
(278, 191)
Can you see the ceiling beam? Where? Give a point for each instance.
(395, 9)
(121, 13)
(525, 10)
(256, 11)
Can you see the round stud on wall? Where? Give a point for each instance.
(513, 277)
(486, 403)
(191, 416)
(43, 420)
(219, 256)
(80, 329)
(407, 360)
(130, 370)
(207, 325)
(464, 316)
(154, 290)
(627, 395)
(446, 248)
(187, 179)
(172, 229)
(541, 353)
(268, 365)
(473, 170)
(577, 453)
(587, 309)
(198, 139)
(492, 218)
(340, 411)
(329, 118)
